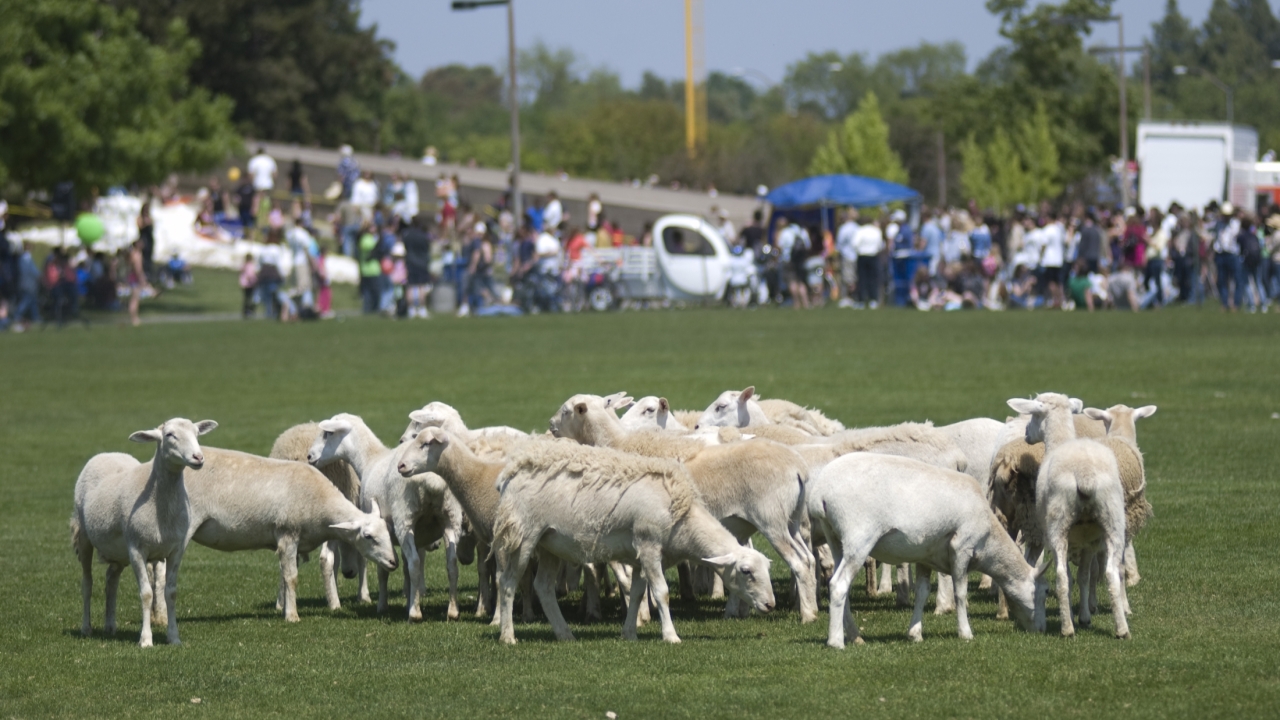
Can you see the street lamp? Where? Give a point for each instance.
(517, 208)
(1231, 104)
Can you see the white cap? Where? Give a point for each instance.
(397, 250)
(1228, 208)
(345, 150)
(898, 216)
(481, 228)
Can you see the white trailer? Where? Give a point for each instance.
(1194, 164)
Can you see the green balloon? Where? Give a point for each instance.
(90, 228)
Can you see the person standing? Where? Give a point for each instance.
(848, 251)
(1090, 249)
(1053, 258)
(417, 261)
(298, 183)
(137, 280)
(28, 290)
(370, 263)
(793, 244)
(364, 195)
(552, 214)
(248, 285)
(480, 270)
(869, 243)
(1226, 256)
(270, 277)
(147, 236)
(932, 235)
(594, 208)
(262, 168)
(244, 205)
(348, 171)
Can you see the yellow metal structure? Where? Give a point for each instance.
(695, 89)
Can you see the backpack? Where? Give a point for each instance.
(1250, 247)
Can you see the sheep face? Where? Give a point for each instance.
(570, 420)
(647, 413)
(729, 410)
(1021, 596)
(178, 441)
(371, 537)
(422, 454)
(434, 414)
(1040, 410)
(1119, 419)
(333, 443)
(748, 571)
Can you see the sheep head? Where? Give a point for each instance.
(1120, 420)
(371, 537)
(177, 443)
(422, 454)
(334, 441)
(433, 414)
(748, 571)
(728, 410)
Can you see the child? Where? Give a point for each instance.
(324, 298)
(248, 284)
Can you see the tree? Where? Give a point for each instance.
(993, 176)
(85, 97)
(298, 70)
(1039, 155)
(860, 146)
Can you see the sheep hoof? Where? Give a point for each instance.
(1068, 633)
(508, 641)
(291, 618)
(859, 641)
(1125, 636)
(1132, 580)
(452, 613)
(838, 645)
(673, 640)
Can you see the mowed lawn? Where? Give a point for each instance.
(1206, 623)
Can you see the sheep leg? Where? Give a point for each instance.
(544, 583)
(946, 601)
(483, 567)
(1115, 554)
(984, 582)
(139, 564)
(1131, 576)
(84, 551)
(362, 570)
(382, 590)
(114, 572)
(841, 615)
(1002, 605)
(159, 616)
(960, 564)
(793, 553)
(526, 595)
(328, 577)
(685, 574)
(651, 565)
(903, 588)
(1063, 583)
(511, 567)
(916, 631)
(635, 599)
(170, 572)
(451, 569)
(1085, 580)
(886, 578)
(591, 592)
(413, 583)
(873, 589)
(287, 549)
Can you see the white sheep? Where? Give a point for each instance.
(1079, 503)
(652, 413)
(567, 502)
(754, 486)
(293, 444)
(442, 415)
(137, 513)
(240, 501)
(419, 510)
(742, 408)
(901, 510)
(1122, 438)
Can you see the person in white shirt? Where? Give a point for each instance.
(792, 238)
(1053, 257)
(364, 194)
(553, 213)
(263, 170)
(848, 256)
(594, 208)
(547, 250)
(725, 226)
(869, 243)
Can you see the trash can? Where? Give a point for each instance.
(444, 299)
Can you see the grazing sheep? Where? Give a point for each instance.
(901, 510)
(754, 486)
(293, 444)
(240, 501)
(567, 502)
(1079, 503)
(419, 510)
(137, 513)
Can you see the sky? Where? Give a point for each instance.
(756, 37)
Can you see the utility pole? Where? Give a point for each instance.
(942, 170)
(513, 98)
(1124, 119)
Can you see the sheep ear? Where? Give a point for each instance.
(374, 510)
(1097, 414)
(747, 394)
(146, 436)
(723, 561)
(1145, 411)
(617, 400)
(580, 408)
(1077, 405)
(434, 435)
(1042, 564)
(205, 427)
(663, 405)
(420, 416)
(1023, 406)
(335, 426)
(346, 526)
(625, 403)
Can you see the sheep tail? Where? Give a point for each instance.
(77, 534)
(1086, 484)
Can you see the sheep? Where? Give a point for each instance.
(137, 513)
(1122, 438)
(754, 486)
(418, 510)
(652, 413)
(438, 414)
(240, 501)
(293, 444)
(1079, 502)
(567, 502)
(734, 408)
(901, 510)
(978, 438)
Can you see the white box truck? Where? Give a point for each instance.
(1194, 163)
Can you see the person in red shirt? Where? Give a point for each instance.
(577, 241)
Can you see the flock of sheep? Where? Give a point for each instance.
(636, 494)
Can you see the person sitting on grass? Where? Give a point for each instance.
(1080, 288)
(1123, 288)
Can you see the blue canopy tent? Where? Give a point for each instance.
(813, 201)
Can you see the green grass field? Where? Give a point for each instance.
(1206, 623)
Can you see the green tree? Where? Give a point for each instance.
(860, 146)
(84, 96)
(994, 175)
(1039, 155)
(298, 70)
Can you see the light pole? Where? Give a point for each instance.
(517, 209)
(1231, 102)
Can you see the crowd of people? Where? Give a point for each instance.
(1083, 258)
